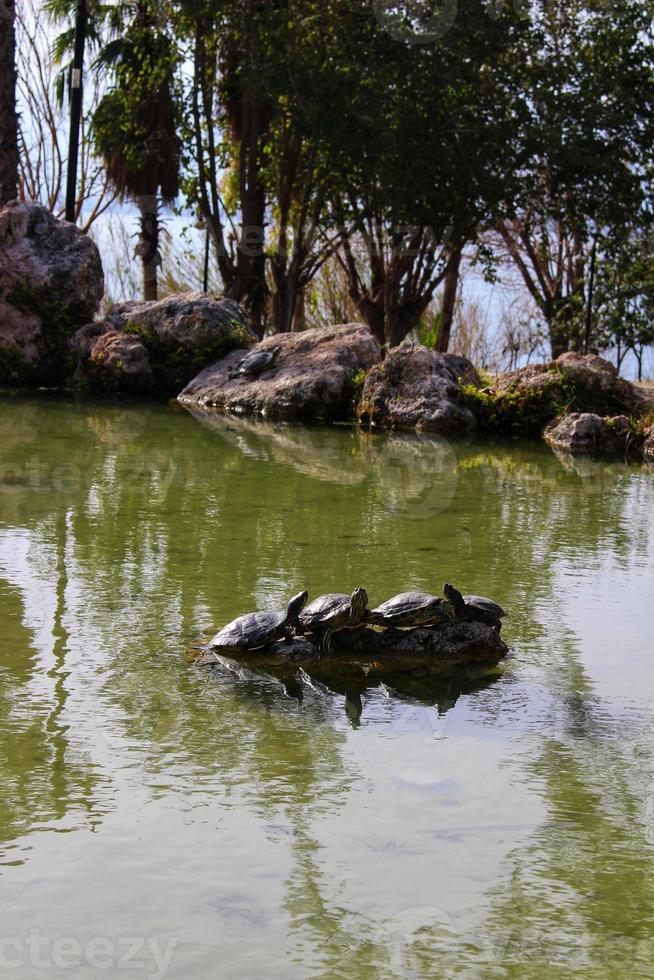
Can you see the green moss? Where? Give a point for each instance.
(357, 382)
(14, 369)
(485, 377)
(174, 365)
(59, 322)
(519, 411)
(525, 410)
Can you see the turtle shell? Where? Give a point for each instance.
(486, 607)
(331, 609)
(409, 609)
(256, 361)
(251, 631)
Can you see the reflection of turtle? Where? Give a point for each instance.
(332, 612)
(411, 609)
(259, 629)
(475, 608)
(257, 361)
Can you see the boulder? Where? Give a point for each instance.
(573, 382)
(585, 434)
(157, 347)
(313, 377)
(419, 388)
(51, 282)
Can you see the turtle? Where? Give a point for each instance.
(256, 630)
(475, 608)
(332, 612)
(411, 609)
(257, 361)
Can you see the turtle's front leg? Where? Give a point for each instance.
(326, 646)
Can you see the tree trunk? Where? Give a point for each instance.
(450, 288)
(299, 317)
(148, 244)
(373, 316)
(8, 115)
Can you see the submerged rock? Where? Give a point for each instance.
(588, 434)
(51, 282)
(312, 377)
(456, 645)
(418, 388)
(157, 347)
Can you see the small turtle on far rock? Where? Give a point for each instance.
(256, 362)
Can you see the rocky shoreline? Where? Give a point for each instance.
(191, 346)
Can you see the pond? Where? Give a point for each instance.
(158, 819)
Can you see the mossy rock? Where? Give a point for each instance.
(158, 347)
(51, 283)
(524, 402)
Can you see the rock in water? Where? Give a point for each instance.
(452, 647)
(158, 346)
(586, 434)
(418, 388)
(312, 377)
(51, 282)
(586, 382)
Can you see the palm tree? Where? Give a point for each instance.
(8, 114)
(135, 126)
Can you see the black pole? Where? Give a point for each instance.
(75, 109)
(205, 280)
(591, 289)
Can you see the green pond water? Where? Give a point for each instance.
(157, 819)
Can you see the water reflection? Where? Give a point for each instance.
(512, 813)
(423, 686)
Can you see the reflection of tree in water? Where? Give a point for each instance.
(47, 774)
(147, 557)
(578, 894)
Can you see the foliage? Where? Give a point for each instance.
(586, 138)
(624, 306)
(316, 136)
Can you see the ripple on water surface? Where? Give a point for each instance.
(500, 825)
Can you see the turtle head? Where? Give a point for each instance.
(296, 605)
(455, 598)
(448, 611)
(358, 605)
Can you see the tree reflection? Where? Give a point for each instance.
(142, 530)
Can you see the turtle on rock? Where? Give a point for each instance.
(334, 611)
(475, 608)
(256, 630)
(411, 609)
(256, 362)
